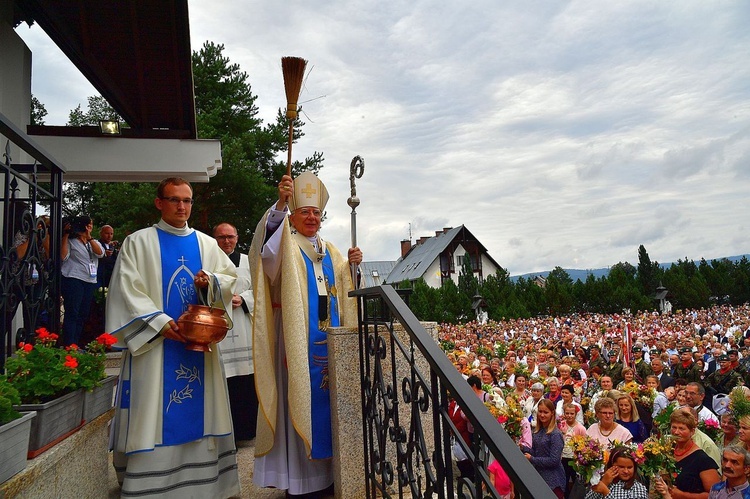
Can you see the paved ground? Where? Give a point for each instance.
(245, 458)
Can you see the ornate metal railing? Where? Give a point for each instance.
(406, 382)
(30, 246)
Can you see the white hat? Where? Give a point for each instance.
(308, 191)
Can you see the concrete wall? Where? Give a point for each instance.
(346, 406)
(15, 77)
(76, 467)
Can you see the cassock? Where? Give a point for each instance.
(292, 276)
(237, 355)
(172, 429)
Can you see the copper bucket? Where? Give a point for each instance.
(202, 325)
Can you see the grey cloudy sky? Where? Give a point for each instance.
(559, 133)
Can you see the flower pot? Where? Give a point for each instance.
(14, 445)
(55, 420)
(99, 400)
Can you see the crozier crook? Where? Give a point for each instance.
(356, 169)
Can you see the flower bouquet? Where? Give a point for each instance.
(739, 404)
(588, 458)
(711, 428)
(494, 410)
(510, 417)
(521, 370)
(662, 420)
(659, 458)
(642, 395)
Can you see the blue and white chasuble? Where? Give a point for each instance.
(322, 443)
(182, 412)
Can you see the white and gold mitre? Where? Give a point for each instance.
(308, 191)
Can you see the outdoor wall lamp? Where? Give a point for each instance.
(109, 127)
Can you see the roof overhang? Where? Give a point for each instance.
(137, 54)
(121, 159)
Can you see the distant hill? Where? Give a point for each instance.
(582, 275)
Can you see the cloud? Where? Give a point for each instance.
(559, 133)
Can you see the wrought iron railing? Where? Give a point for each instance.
(406, 383)
(30, 246)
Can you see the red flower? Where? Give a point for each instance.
(502, 419)
(106, 339)
(72, 346)
(26, 347)
(70, 362)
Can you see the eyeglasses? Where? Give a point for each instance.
(176, 201)
(306, 213)
(225, 238)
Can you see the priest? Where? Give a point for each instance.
(301, 283)
(172, 428)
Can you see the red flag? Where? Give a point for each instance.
(627, 340)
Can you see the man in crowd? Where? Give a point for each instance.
(614, 368)
(237, 347)
(687, 369)
(106, 263)
(664, 378)
(735, 466)
(301, 285)
(694, 395)
(642, 369)
(172, 428)
(712, 361)
(596, 357)
(723, 379)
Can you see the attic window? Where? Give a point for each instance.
(375, 273)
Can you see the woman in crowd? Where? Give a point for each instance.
(620, 478)
(509, 376)
(701, 366)
(520, 392)
(553, 390)
(543, 372)
(489, 378)
(570, 428)
(629, 374)
(606, 430)
(500, 480)
(532, 403)
(681, 398)
(563, 372)
(628, 417)
(578, 383)
(697, 472)
(730, 436)
(583, 358)
(79, 277)
(476, 384)
(545, 453)
(566, 393)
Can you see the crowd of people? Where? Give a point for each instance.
(619, 380)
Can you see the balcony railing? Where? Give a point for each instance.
(29, 283)
(406, 383)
